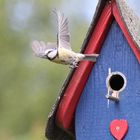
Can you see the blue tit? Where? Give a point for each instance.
(61, 52)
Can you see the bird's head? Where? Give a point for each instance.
(40, 50)
(51, 53)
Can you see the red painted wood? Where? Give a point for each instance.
(118, 129)
(125, 31)
(66, 109)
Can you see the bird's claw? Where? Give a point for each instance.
(74, 65)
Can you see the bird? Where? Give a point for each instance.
(60, 51)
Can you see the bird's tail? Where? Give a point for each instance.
(91, 57)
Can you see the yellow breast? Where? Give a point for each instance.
(65, 56)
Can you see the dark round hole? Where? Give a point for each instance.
(116, 82)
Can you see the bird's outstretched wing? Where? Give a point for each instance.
(63, 35)
(40, 47)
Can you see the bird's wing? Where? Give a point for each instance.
(63, 35)
(39, 47)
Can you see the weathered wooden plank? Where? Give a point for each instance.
(92, 115)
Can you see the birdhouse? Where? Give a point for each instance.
(101, 100)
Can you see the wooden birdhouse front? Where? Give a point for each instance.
(101, 100)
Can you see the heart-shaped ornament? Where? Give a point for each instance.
(118, 129)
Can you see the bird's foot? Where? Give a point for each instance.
(74, 65)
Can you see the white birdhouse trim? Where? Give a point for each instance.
(116, 83)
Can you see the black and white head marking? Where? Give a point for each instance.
(51, 53)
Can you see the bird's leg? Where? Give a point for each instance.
(74, 64)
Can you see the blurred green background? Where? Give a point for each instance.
(29, 85)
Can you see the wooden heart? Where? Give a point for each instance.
(118, 129)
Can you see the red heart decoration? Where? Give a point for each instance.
(118, 129)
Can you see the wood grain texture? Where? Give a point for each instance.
(131, 19)
(129, 35)
(68, 103)
(92, 115)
